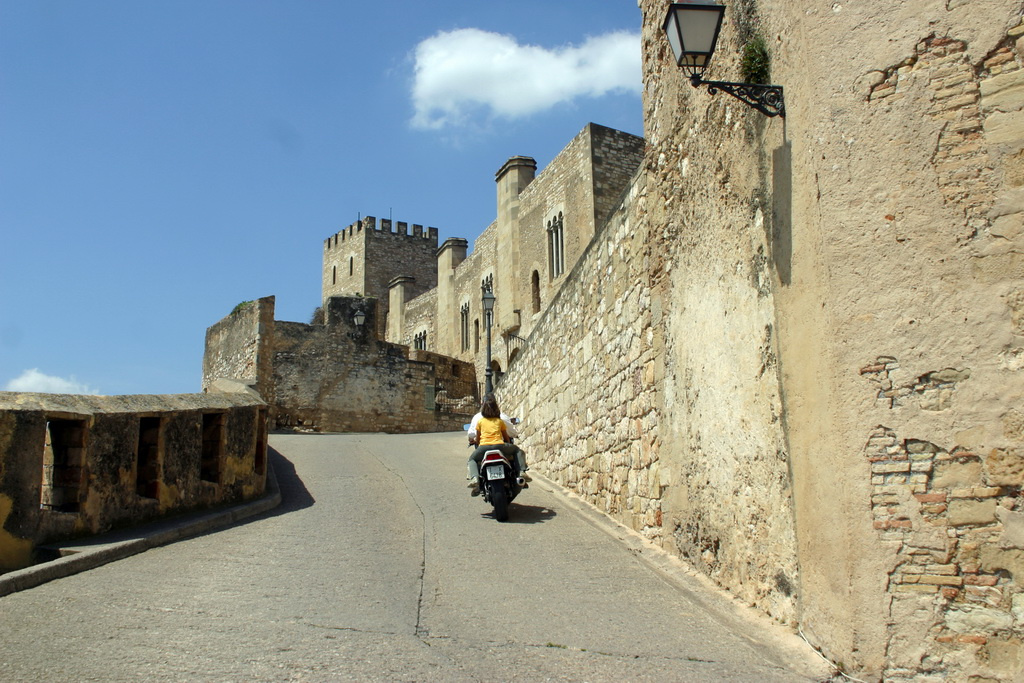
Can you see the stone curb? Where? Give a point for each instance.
(725, 608)
(88, 553)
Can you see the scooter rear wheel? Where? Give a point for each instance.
(499, 499)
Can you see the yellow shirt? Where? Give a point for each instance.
(491, 431)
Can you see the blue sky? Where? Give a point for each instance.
(162, 161)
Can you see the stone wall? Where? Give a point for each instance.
(877, 226)
(77, 465)
(238, 347)
(794, 355)
(337, 376)
(585, 385)
(420, 317)
(582, 184)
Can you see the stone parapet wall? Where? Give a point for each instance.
(335, 376)
(77, 465)
(237, 347)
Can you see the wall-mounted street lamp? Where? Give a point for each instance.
(359, 318)
(488, 302)
(692, 28)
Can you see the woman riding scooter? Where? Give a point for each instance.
(491, 430)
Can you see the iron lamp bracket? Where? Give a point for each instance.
(767, 99)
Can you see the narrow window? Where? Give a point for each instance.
(476, 336)
(147, 458)
(63, 458)
(213, 446)
(334, 275)
(350, 266)
(551, 252)
(535, 285)
(464, 326)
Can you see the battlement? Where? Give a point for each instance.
(369, 223)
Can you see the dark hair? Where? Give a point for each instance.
(489, 408)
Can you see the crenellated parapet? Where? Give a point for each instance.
(385, 227)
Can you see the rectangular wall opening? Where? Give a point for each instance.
(260, 459)
(147, 458)
(63, 461)
(213, 446)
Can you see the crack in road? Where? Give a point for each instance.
(418, 630)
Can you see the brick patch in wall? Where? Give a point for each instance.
(933, 391)
(954, 583)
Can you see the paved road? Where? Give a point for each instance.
(379, 566)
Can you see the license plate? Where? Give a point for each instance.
(495, 473)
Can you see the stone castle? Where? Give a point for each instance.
(789, 351)
(415, 362)
(430, 297)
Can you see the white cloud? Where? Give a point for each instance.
(35, 381)
(459, 72)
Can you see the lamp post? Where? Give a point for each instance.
(488, 301)
(692, 29)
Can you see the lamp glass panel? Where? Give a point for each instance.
(672, 31)
(699, 29)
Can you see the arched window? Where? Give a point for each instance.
(556, 246)
(535, 285)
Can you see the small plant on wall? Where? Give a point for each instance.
(241, 306)
(755, 64)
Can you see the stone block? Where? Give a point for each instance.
(964, 512)
(1004, 92)
(1005, 130)
(1009, 227)
(1013, 528)
(956, 474)
(1003, 656)
(973, 619)
(993, 559)
(1004, 467)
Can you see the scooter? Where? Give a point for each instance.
(500, 480)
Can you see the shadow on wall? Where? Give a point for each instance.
(782, 212)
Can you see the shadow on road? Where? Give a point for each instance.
(525, 514)
(294, 494)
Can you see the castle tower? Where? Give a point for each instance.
(448, 330)
(512, 178)
(362, 260)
